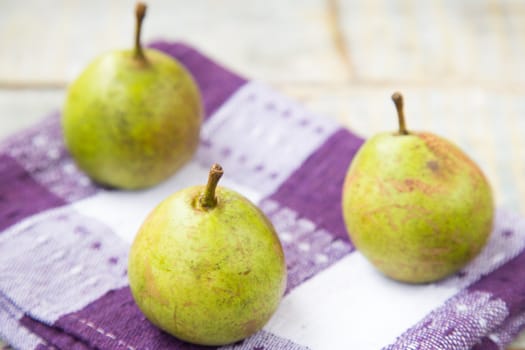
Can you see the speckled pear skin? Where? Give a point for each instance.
(131, 124)
(209, 277)
(416, 206)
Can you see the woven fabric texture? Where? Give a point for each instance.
(64, 240)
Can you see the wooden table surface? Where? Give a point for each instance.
(460, 64)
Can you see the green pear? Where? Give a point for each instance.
(132, 118)
(207, 266)
(415, 205)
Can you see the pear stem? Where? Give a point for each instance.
(207, 199)
(140, 13)
(398, 101)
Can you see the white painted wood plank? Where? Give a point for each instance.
(22, 108)
(481, 42)
(271, 40)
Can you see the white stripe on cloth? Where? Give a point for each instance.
(124, 211)
(58, 261)
(260, 137)
(351, 306)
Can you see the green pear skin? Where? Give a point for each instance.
(416, 206)
(209, 276)
(132, 126)
(132, 118)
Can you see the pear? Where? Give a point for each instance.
(207, 266)
(132, 118)
(416, 206)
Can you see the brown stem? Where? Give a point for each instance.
(398, 101)
(140, 13)
(207, 199)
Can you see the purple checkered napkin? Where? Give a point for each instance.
(64, 241)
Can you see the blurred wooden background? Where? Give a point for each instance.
(459, 63)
